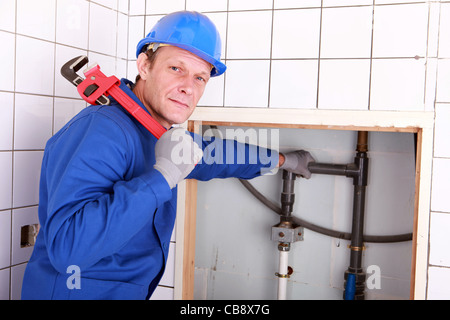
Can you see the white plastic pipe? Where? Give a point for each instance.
(283, 274)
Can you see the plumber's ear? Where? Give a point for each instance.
(143, 65)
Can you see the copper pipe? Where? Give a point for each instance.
(362, 145)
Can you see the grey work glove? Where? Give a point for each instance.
(176, 155)
(297, 162)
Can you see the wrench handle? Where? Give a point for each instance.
(137, 112)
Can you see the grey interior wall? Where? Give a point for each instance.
(236, 259)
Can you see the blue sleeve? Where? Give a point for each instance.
(92, 209)
(224, 158)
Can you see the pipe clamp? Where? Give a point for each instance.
(354, 248)
(282, 275)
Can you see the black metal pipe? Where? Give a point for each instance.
(328, 168)
(287, 196)
(357, 238)
(348, 170)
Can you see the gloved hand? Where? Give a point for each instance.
(297, 162)
(176, 155)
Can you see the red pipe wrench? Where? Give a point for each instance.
(96, 88)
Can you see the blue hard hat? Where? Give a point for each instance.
(191, 31)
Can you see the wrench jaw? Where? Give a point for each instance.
(69, 71)
(70, 68)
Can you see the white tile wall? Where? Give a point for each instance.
(433, 29)
(6, 120)
(35, 63)
(441, 185)
(4, 283)
(102, 19)
(438, 279)
(439, 239)
(16, 281)
(33, 121)
(5, 180)
(136, 26)
(395, 1)
(281, 4)
(122, 35)
(400, 30)
(5, 239)
(8, 15)
(164, 7)
(444, 46)
(346, 32)
(214, 92)
(249, 4)
(430, 83)
(137, 7)
(280, 54)
(206, 5)
(397, 84)
(293, 84)
(251, 74)
(443, 80)
(343, 84)
(257, 32)
(72, 23)
(26, 171)
(296, 34)
(442, 131)
(36, 18)
(7, 57)
(327, 3)
(111, 4)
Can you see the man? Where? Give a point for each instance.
(108, 186)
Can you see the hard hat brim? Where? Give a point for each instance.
(218, 67)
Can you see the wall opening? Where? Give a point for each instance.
(420, 124)
(235, 257)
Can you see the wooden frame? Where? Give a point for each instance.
(421, 123)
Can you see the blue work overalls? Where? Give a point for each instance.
(106, 215)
